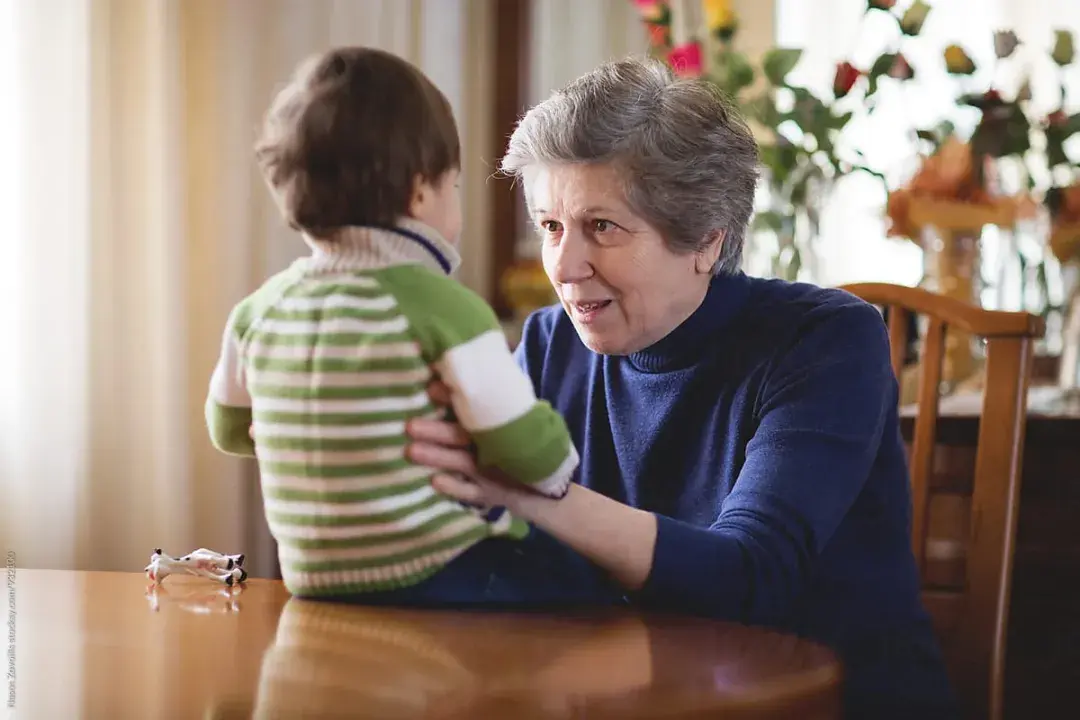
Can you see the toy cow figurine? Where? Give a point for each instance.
(227, 569)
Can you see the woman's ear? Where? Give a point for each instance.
(706, 258)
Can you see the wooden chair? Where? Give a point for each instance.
(971, 619)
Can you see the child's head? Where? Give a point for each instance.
(362, 137)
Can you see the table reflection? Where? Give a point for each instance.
(199, 599)
(330, 660)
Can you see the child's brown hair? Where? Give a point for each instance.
(345, 140)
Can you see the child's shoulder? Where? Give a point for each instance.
(252, 307)
(441, 311)
(419, 290)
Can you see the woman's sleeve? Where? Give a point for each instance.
(822, 414)
(531, 349)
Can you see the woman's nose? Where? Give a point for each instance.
(569, 261)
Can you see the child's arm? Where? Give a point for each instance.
(228, 405)
(513, 430)
(492, 398)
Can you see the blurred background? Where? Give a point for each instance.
(134, 218)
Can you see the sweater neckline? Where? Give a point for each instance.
(684, 346)
(409, 241)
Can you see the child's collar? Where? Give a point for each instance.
(367, 248)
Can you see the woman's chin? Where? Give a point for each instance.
(602, 343)
(603, 332)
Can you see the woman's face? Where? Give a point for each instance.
(615, 276)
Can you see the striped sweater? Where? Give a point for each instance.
(327, 361)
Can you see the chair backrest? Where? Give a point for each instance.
(971, 619)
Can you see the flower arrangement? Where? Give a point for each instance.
(802, 133)
(1005, 138)
(799, 131)
(951, 177)
(1013, 167)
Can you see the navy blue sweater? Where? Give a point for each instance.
(764, 434)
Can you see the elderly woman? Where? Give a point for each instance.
(741, 455)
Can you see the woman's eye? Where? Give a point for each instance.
(603, 226)
(550, 226)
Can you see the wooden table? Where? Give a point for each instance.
(102, 645)
(1042, 666)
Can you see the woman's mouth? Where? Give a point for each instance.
(587, 312)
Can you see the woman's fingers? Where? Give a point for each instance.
(438, 432)
(459, 488)
(450, 459)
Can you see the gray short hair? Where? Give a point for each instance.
(689, 159)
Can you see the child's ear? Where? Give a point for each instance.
(416, 197)
(421, 193)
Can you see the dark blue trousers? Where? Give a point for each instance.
(537, 572)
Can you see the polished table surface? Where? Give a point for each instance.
(106, 645)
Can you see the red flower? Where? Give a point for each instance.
(686, 59)
(901, 68)
(1057, 118)
(846, 77)
(658, 35)
(651, 10)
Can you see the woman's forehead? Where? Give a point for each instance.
(576, 189)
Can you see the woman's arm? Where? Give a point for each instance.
(822, 414)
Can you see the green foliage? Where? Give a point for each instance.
(1059, 129)
(778, 62)
(1063, 52)
(732, 72)
(879, 69)
(913, 19)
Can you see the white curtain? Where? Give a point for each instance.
(853, 245)
(570, 37)
(134, 220)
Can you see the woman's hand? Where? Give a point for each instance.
(447, 446)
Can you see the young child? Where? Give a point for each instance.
(330, 358)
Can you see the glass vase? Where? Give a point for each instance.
(952, 267)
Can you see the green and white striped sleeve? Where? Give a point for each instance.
(228, 404)
(492, 398)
